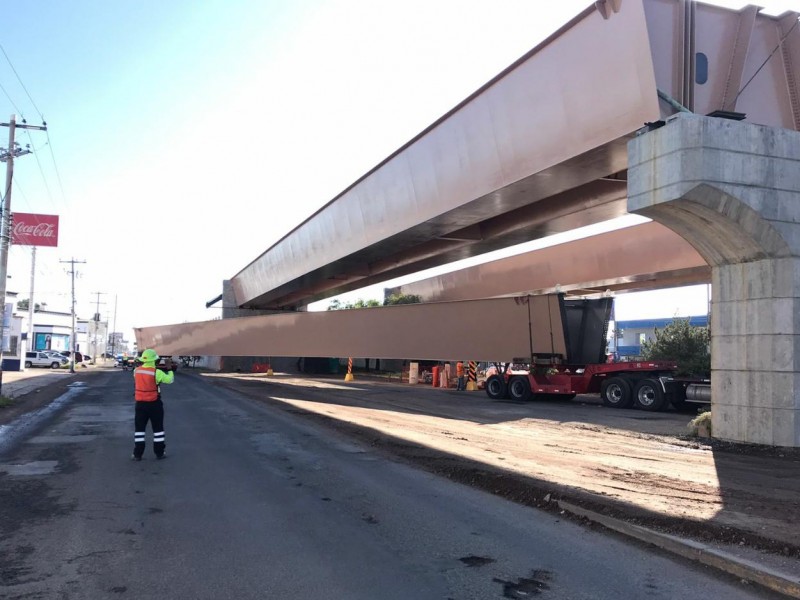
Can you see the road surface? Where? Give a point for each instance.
(254, 502)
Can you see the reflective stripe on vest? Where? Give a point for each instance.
(146, 387)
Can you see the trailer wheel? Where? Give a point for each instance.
(648, 395)
(616, 392)
(519, 389)
(496, 387)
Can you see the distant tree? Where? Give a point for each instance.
(402, 299)
(360, 303)
(25, 303)
(683, 343)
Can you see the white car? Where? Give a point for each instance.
(44, 359)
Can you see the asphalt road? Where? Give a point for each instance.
(254, 503)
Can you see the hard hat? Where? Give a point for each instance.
(149, 356)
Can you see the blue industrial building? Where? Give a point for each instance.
(636, 332)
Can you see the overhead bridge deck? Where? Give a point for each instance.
(540, 149)
(446, 327)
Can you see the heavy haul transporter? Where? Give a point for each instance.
(582, 369)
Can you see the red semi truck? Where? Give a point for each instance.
(581, 368)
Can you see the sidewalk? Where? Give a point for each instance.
(19, 383)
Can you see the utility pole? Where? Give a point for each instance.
(114, 331)
(72, 263)
(8, 155)
(29, 345)
(96, 321)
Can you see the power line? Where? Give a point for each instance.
(14, 104)
(41, 170)
(55, 166)
(23, 86)
(44, 124)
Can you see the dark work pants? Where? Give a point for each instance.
(153, 412)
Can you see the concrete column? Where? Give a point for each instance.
(732, 190)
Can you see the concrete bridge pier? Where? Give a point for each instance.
(732, 190)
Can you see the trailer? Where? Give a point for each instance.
(583, 369)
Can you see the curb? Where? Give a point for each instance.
(786, 584)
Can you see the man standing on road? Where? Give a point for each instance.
(148, 379)
(460, 374)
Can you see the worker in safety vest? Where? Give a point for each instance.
(460, 375)
(148, 379)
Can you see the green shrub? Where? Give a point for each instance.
(701, 422)
(683, 343)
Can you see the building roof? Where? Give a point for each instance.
(695, 321)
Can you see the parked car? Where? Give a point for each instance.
(125, 361)
(44, 359)
(79, 358)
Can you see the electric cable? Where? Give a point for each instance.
(55, 166)
(41, 170)
(14, 104)
(22, 84)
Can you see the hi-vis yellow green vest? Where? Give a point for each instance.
(147, 379)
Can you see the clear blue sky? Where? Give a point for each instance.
(190, 136)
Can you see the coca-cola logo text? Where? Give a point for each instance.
(34, 230)
(45, 230)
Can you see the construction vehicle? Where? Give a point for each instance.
(577, 364)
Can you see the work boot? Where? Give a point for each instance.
(136, 458)
(162, 456)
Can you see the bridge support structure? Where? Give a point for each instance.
(732, 190)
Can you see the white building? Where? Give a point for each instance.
(51, 330)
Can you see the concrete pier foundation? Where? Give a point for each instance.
(732, 190)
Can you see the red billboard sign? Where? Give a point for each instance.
(34, 230)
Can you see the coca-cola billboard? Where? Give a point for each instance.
(34, 230)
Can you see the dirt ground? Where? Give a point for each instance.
(639, 466)
(633, 465)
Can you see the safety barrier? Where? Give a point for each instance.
(349, 376)
(472, 377)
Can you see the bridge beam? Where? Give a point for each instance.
(732, 190)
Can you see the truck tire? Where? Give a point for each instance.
(28, 364)
(54, 365)
(496, 387)
(678, 399)
(519, 389)
(616, 392)
(648, 395)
